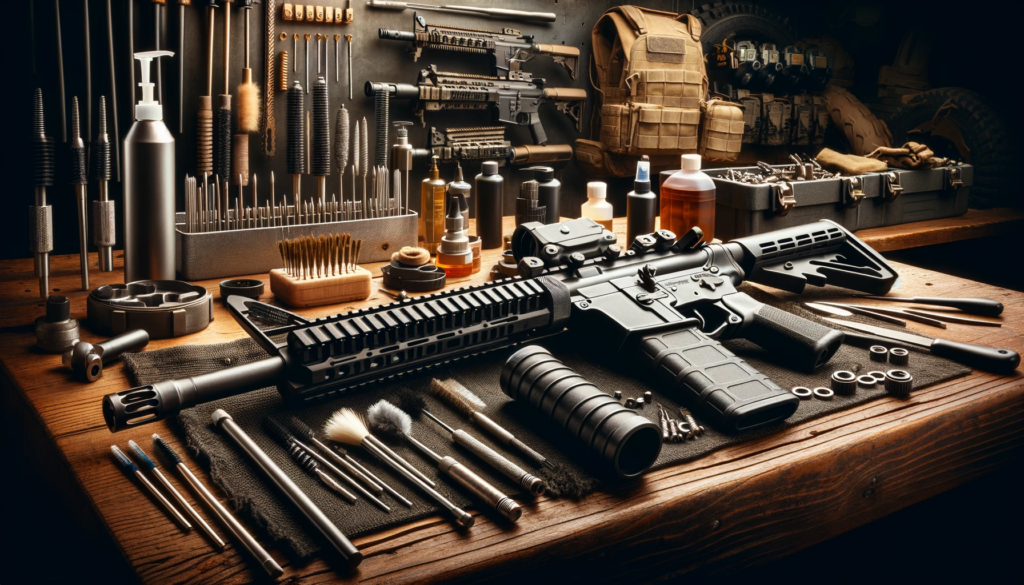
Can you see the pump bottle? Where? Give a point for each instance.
(641, 204)
(149, 186)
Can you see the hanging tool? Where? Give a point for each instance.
(80, 181)
(990, 359)
(348, 38)
(502, 13)
(88, 76)
(970, 305)
(248, 109)
(103, 215)
(41, 214)
(204, 122)
(356, 167)
(295, 52)
(319, 38)
(337, 68)
(364, 157)
(341, 148)
(307, 61)
(113, 97)
(181, 64)
(157, 8)
(296, 148)
(223, 162)
(60, 73)
(269, 124)
(321, 153)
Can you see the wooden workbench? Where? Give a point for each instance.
(737, 507)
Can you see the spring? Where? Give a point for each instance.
(282, 71)
(381, 105)
(321, 130)
(296, 153)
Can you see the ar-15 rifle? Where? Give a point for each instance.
(508, 47)
(513, 101)
(661, 305)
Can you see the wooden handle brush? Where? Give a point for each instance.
(320, 271)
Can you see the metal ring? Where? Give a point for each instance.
(878, 376)
(899, 356)
(822, 393)
(879, 353)
(802, 392)
(246, 287)
(866, 381)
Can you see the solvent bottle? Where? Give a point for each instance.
(688, 199)
(454, 255)
(490, 189)
(597, 207)
(641, 204)
(432, 199)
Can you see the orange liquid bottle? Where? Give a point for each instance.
(688, 200)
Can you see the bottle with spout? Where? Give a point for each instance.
(149, 186)
(641, 204)
(432, 208)
(688, 199)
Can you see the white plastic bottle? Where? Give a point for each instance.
(597, 207)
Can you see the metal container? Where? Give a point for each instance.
(149, 217)
(201, 256)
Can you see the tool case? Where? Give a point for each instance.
(856, 202)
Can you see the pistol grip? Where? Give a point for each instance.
(721, 387)
(803, 344)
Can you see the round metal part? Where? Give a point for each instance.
(899, 383)
(866, 381)
(844, 382)
(879, 353)
(162, 308)
(802, 392)
(246, 287)
(899, 356)
(823, 393)
(879, 376)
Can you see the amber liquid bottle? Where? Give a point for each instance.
(432, 198)
(688, 200)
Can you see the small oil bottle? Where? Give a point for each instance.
(432, 198)
(688, 199)
(597, 207)
(454, 255)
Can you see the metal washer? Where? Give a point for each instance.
(822, 393)
(802, 392)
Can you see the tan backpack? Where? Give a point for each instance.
(651, 88)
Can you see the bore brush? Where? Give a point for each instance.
(79, 179)
(310, 510)
(223, 162)
(364, 156)
(150, 466)
(41, 214)
(103, 218)
(113, 98)
(321, 155)
(386, 418)
(301, 455)
(296, 153)
(345, 426)
(341, 148)
(129, 466)
(266, 561)
(469, 405)
(356, 169)
(248, 109)
(339, 455)
(204, 122)
(269, 124)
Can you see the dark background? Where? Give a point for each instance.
(970, 532)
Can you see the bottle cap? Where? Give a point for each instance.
(691, 162)
(642, 182)
(597, 190)
(148, 108)
(489, 167)
(542, 174)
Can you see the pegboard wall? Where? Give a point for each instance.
(372, 59)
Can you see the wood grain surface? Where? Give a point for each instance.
(737, 507)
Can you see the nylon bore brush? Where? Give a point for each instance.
(79, 179)
(296, 148)
(103, 213)
(346, 461)
(364, 157)
(341, 148)
(319, 271)
(130, 467)
(204, 121)
(150, 466)
(304, 459)
(248, 109)
(321, 138)
(41, 214)
(229, 521)
(386, 418)
(347, 427)
(469, 405)
(223, 143)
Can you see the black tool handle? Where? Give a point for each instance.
(972, 305)
(990, 359)
(726, 390)
(112, 348)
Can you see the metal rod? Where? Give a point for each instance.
(310, 510)
(156, 40)
(181, 67)
(60, 74)
(343, 476)
(129, 465)
(88, 73)
(113, 94)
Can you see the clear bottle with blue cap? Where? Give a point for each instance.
(641, 203)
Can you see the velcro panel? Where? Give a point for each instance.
(666, 129)
(665, 49)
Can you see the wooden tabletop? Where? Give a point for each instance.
(737, 507)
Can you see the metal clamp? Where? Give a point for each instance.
(852, 193)
(891, 185)
(954, 178)
(784, 198)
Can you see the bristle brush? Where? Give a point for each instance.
(320, 270)
(347, 427)
(386, 418)
(469, 404)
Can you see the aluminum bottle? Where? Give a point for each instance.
(490, 190)
(148, 187)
